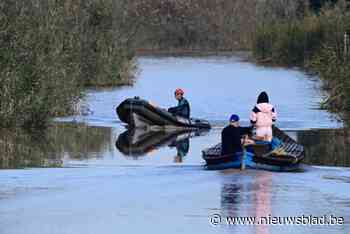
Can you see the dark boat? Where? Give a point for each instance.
(138, 142)
(262, 156)
(139, 113)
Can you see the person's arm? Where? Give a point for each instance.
(254, 116)
(246, 141)
(172, 110)
(175, 110)
(274, 115)
(182, 109)
(246, 130)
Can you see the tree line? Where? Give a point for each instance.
(308, 33)
(51, 50)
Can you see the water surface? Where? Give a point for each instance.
(217, 87)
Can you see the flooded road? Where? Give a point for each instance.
(99, 178)
(216, 87)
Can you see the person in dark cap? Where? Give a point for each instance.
(232, 137)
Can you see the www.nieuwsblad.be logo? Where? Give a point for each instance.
(217, 219)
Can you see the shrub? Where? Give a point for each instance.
(50, 50)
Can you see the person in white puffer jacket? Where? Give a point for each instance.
(262, 117)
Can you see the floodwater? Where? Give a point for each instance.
(90, 175)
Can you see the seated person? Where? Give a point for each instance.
(231, 137)
(183, 107)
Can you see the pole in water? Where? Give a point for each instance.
(243, 155)
(345, 45)
(243, 159)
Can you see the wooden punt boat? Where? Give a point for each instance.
(285, 157)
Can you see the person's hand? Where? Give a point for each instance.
(249, 142)
(246, 141)
(243, 139)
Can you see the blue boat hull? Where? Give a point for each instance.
(249, 163)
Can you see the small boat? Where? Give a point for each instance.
(139, 113)
(138, 142)
(285, 157)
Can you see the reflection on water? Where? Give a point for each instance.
(329, 147)
(265, 196)
(247, 197)
(80, 141)
(19, 149)
(139, 142)
(65, 142)
(182, 148)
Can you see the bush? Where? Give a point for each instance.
(50, 50)
(330, 62)
(313, 41)
(38, 64)
(291, 43)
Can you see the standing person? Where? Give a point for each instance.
(262, 117)
(183, 107)
(232, 137)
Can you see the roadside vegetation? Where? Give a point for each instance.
(306, 33)
(197, 25)
(51, 50)
(316, 40)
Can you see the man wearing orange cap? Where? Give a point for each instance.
(183, 107)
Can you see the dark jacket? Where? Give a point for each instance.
(182, 109)
(231, 139)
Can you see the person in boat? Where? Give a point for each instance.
(262, 117)
(233, 137)
(183, 107)
(182, 148)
